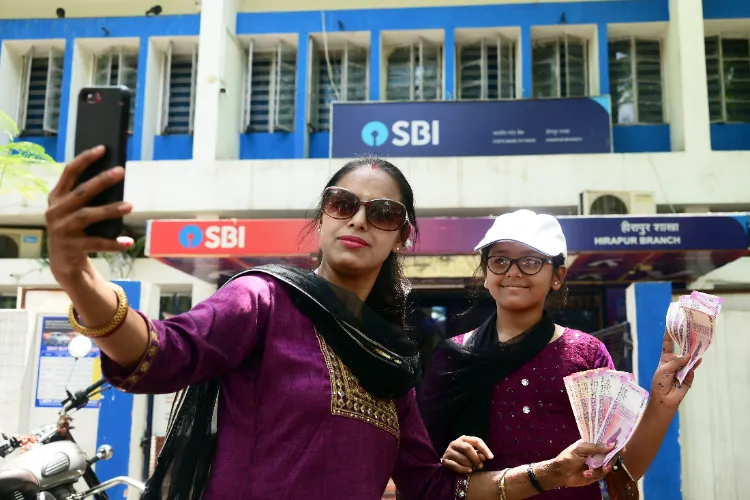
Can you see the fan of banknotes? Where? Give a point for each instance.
(607, 406)
(690, 323)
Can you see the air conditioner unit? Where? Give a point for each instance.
(616, 203)
(17, 243)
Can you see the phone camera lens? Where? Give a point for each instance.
(93, 98)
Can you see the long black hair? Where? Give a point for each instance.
(388, 295)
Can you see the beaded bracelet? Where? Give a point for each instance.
(620, 464)
(117, 320)
(534, 480)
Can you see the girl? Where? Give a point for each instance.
(495, 397)
(299, 384)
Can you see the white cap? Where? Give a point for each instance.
(541, 233)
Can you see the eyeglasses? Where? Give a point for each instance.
(527, 265)
(381, 213)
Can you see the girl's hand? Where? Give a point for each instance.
(569, 469)
(666, 391)
(466, 454)
(67, 216)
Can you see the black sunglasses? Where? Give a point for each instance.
(530, 266)
(381, 213)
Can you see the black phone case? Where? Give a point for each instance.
(103, 118)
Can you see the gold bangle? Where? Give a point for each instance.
(115, 323)
(501, 484)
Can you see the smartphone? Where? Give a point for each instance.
(103, 119)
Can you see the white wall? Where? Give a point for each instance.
(219, 85)
(714, 423)
(228, 146)
(15, 339)
(80, 77)
(686, 78)
(167, 189)
(11, 70)
(152, 101)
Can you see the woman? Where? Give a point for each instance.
(495, 397)
(299, 384)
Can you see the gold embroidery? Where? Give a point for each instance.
(350, 399)
(148, 358)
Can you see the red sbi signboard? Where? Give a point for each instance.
(228, 237)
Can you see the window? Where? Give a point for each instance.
(728, 75)
(560, 67)
(338, 74)
(178, 91)
(487, 69)
(415, 72)
(635, 81)
(41, 90)
(270, 88)
(118, 66)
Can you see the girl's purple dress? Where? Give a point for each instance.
(531, 417)
(293, 421)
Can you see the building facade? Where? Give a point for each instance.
(232, 98)
(231, 116)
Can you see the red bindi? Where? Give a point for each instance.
(374, 166)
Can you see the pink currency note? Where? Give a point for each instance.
(700, 331)
(620, 422)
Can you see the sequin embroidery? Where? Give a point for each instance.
(350, 399)
(462, 486)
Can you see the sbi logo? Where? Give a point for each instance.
(405, 133)
(193, 236)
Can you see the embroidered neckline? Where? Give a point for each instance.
(350, 399)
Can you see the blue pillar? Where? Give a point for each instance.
(449, 92)
(62, 126)
(603, 44)
(301, 134)
(526, 63)
(375, 57)
(647, 305)
(116, 416)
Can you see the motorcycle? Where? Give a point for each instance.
(51, 462)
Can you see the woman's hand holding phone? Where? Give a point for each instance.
(68, 215)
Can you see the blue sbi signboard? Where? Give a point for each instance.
(574, 125)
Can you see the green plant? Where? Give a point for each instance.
(21, 162)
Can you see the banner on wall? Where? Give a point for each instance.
(576, 125)
(57, 370)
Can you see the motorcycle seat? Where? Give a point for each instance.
(18, 480)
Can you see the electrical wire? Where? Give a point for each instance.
(334, 87)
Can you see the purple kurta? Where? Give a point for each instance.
(531, 417)
(293, 421)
